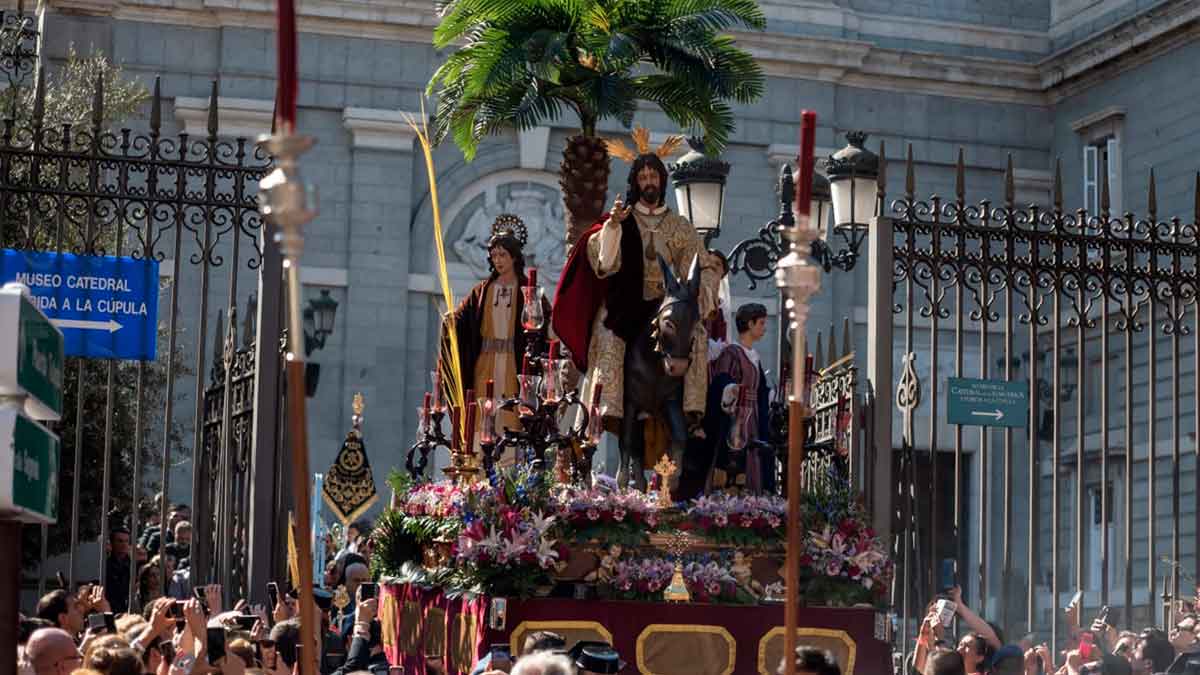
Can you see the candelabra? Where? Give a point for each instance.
(430, 436)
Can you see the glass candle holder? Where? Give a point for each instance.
(532, 316)
(552, 381)
(487, 421)
(529, 390)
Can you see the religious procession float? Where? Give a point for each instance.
(679, 559)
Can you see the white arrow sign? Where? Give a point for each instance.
(110, 325)
(998, 415)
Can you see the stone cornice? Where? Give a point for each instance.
(376, 129)
(1105, 116)
(236, 117)
(1130, 43)
(856, 63)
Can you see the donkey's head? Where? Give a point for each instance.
(677, 318)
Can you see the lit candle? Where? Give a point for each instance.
(490, 390)
(808, 138)
(532, 276)
(554, 350)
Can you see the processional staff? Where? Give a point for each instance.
(798, 279)
(286, 208)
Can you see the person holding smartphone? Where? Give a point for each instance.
(366, 646)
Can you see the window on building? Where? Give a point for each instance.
(1097, 524)
(1099, 158)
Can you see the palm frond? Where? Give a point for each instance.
(716, 15)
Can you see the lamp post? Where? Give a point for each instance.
(699, 180)
(853, 175)
(318, 321)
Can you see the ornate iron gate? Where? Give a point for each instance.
(1096, 314)
(186, 202)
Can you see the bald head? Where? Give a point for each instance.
(356, 574)
(52, 651)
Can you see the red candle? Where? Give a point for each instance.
(286, 54)
(554, 350)
(437, 385)
(525, 365)
(469, 436)
(596, 393)
(808, 140)
(454, 427)
(490, 390)
(532, 277)
(426, 403)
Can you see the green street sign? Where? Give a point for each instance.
(28, 469)
(987, 403)
(31, 355)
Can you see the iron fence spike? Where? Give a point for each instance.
(817, 353)
(212, 112)
(1010, 189)
(39, 99)
(98, 104)
(1058, 191)
(960, 178)
(846, 344)
(832, 346)
(1152, 198)
(156, 108)
(1104, 187)
(1196, 206)
(910, 178)
(881, 180)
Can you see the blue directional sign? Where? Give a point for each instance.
(106, 307)
(987, 403)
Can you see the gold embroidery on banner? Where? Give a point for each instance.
(829, 633)
(657, 628)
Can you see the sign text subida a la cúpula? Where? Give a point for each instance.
(87, 283)
(102, 305)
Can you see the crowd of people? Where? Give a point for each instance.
(1100, 649)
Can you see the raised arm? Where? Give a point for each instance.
(973, 620)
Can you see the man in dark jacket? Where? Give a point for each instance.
(118, 570)
(366, 647)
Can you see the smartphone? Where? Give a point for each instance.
(215, 644)
(498, 616)
(1076, 599)
(246, 621)
(272, 596)
(947, 579)
(176, 611)
(1102, 617)
(946, 610)
(1086, 648)
(98, 625)
(368, 591)
(62, 581)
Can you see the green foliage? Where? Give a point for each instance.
(524, 61)
(394, 546)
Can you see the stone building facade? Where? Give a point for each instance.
(1034, 79)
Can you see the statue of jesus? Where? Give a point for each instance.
(612, 284)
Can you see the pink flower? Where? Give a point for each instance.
(618, 514)
(593, 514)
(720, 520)
(652, 520)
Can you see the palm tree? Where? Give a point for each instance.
(522, 62)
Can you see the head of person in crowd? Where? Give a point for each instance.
(52, 651)
(176, 553)
(1124, 644)
(242, 649)
(61, 609)
(944, 662)
(1152, 653)
(286, 635)
(105, 642)
(150, 583)
(544, 663)
(542, 641)
(359, 529)
(596, 657)
(119, 542)
(1109, 665)
(114, 661)
(1183, 634)
(130, 625)
(179, 513)
(813, 661)
(975, 651)
(183, 533)
(1008, 660)
(356, 574)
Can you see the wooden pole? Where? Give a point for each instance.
(798, 280)
(298, 433)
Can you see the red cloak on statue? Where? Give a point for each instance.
(578, 297)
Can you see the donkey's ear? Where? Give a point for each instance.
(693, 278)
(670, 282)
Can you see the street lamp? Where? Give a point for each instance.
(700, 189)
(318, 321)
(853, 176)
